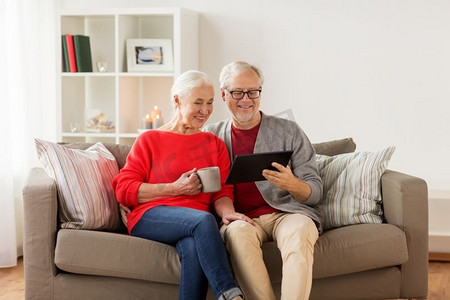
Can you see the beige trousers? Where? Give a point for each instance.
(295, 236)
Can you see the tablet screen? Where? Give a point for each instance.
(249, 167)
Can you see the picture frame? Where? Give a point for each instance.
(149, 55)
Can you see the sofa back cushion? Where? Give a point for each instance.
(335, 147)
(120, 152)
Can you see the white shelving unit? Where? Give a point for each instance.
(125, 97)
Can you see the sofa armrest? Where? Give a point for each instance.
(40, 226)
(405, 204)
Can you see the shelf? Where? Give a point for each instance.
(128, 135)
(124, 97)
(147, 74)
(88, 74)
(88, 134)
(112, 74)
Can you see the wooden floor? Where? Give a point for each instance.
(11, 282)
(12, 285)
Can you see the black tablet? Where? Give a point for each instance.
(249, 167)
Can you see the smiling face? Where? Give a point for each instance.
(195, 108)
(245, 112)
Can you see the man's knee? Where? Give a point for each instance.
(297, 227)
(239, 232)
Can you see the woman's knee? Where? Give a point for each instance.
(206, 219)
(186, 248)
(190, 264)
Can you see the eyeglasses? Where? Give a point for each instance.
(238, 95)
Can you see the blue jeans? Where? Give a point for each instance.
(196, 236)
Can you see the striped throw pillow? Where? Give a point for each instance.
(84, 183)
(352, 187)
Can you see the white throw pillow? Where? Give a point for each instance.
(84, 183)
(352, 187)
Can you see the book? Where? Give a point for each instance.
(71, 53)
(83, 53)
(66, 65)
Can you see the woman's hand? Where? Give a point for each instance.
(225, 209)
(227, 218)
(188, 183)
(123, 213)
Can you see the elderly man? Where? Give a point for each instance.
(283, 207)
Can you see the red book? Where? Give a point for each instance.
(71, 53)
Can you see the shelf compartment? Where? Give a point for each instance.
(85, 96)
(100, 29)
(138, 96)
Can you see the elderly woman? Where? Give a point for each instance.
(160, 186)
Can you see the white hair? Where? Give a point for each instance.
(187, 81)
(236, 68)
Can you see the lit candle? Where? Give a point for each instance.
(147, 122)
(155, 112)
(158, 122)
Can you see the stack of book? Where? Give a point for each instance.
(76, 53)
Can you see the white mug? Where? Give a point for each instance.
(210, 179)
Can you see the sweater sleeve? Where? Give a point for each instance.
(223, 162)
(134, 173)
(279, 134)
(305, 166)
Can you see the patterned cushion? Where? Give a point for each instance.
(351, 187)
(84, 182)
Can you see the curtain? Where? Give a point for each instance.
(28, 106)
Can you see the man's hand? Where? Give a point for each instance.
(286, 180)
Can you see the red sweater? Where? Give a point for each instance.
(161, 157)
(248, 199)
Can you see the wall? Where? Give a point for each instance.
(375, 70)
(439, 222)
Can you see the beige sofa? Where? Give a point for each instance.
(370, 261)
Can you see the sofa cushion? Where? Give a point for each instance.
(347, 250)
(357, 248)
(340, 251)
(335, 147)
(84, 182)
(352, 187)
(117, 255)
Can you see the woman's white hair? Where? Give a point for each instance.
(187, 81)
(236, 68)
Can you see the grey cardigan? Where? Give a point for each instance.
(277, 134)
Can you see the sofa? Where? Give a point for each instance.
(365, 261)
